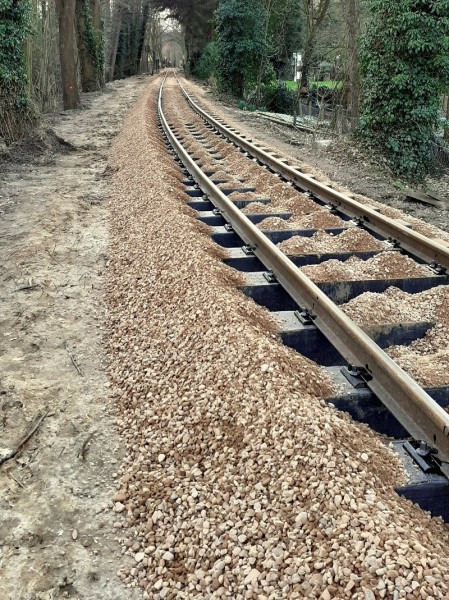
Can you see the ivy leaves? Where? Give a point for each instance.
(94, 40)
(14, 28)
(405, 64)
(240, 43)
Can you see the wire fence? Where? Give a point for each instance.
(439, 155)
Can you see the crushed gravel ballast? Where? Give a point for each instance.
(240, 481)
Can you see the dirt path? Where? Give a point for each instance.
(56, 530)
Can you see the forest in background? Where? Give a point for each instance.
(382, 65)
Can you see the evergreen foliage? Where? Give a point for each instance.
(16, 115)
(207, 63)
(240, 42)
(405, 67)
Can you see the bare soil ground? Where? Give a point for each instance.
(55, 496)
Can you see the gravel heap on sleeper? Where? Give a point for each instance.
(386, 265)
(239, 481)
(426, 359)
(321, 219)
(275, 224)
(258, 208)
(396, 306)
(351, 240)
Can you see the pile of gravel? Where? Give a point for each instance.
(240, 481)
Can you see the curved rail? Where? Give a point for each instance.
(407, 401)
(417, 244)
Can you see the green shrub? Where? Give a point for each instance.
(282, 99)
(405, 67)
(206, 66)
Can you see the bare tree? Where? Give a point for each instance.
(196, 19)
(115, 36)
(314, 13)
(43, 59)
(156, 29)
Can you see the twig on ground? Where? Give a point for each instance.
(19, 483)
(19, 315)
(83, 450)
(28, 288)
(12, 453)
(73, 359)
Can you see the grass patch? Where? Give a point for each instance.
(333, 85)
(242, 105)
(291, 85)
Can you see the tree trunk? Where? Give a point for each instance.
(105, 7)
(95, 9)
(67, 53)
(142, 31)
(446, 131)
(263, 58)
(44, 14)
(88, 70)
(116, 27)
(314, 13)
(352, 18)
(306, 61)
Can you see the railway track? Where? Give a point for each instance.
(373, 387)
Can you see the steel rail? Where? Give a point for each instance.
(411, 241)
(418, 413)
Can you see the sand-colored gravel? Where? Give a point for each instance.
(386, 265)
(350, 240)
(239, 482)
(426, 359)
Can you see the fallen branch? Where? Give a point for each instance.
(12, 453)
(417, 196)
(73, 359)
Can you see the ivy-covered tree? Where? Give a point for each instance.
(90, 44)
(16, 114)
(240, 41)
(405, 66)
(129, 28)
